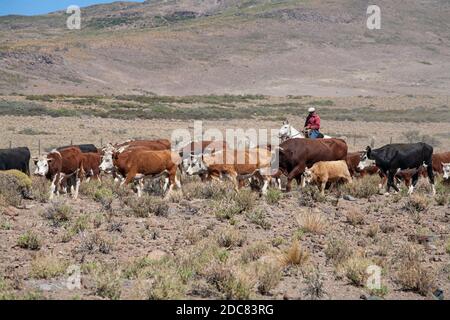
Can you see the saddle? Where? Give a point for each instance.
(306, 132)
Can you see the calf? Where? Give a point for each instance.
(392, 157)
(237, 165)
(352, 161)
(57, 165)
(327, 171)
(15, 159)
(407, 175)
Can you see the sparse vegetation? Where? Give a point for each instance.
(47, 266)
(29, 240)
(311, 221)
(295, 255)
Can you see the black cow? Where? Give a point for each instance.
(85, 148)
(15, 158)
(394, 157)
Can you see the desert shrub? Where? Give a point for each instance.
(245, 200)
(310, 196)
(442, 199)
(14, 185)
(47, 267)
(411, 274)
(355, 270)
(364, 187)
(58, 213)
(295, 255)
(166, 284)
(258, 217)
(232, 284)
(230, 237)
(354, 217)
(314, 285)
(254, 252)
(29, 240)
(373, 230)
(195, 234)
(210, 190)
(310, 221)
(79, 224)
(90, 188)
(94, 242)
(417, 203)
(225, 209)
(6, 290)
(105, 196)
(338, 251)
(273, 196)
(268, 277)
(107, 281)
(447, 246)
(278, 241)
(41, 189)
(147, 205)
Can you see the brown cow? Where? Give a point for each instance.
(236, 165)
(295, 155)
(352, 160)
(323, 172)
(58, 165)
(91, 165)
(139, 163)
(438, 160)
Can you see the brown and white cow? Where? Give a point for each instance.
(237, 165)
(446, 169)
(57, 165)
(438, 161)
(139, 163)
(327, 171)
(90, 165)
(352, 160)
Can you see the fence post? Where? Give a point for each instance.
(390, 141)
(10, 144)
(372, 142)
(71, 142)
(39, 147)
(101, 142)
(354, 140)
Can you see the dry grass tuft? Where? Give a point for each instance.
(354, 217)
(230, 238)
(411, 273)
(417, 203)
(268, 275)
(310, 221)
(47, 267)
(295, 255)
(355, 269)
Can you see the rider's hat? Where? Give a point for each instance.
(312, 109)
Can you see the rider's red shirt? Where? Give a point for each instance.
(314, 122)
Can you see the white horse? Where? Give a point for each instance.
(289, 132)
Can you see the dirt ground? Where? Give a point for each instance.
(206, 242)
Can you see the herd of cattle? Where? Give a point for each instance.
(317, 161)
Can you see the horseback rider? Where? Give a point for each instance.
(312, 124)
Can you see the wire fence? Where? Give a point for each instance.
(40, 146)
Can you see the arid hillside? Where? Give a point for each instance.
(320, 48)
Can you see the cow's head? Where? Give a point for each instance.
(365, 161)
(308, 175)
(107, 164)
(195, 165)
(446, 169)
(42, 165)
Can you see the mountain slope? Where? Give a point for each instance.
(237, 46)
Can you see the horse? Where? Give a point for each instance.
(289, 132)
